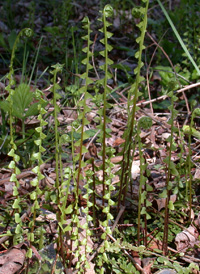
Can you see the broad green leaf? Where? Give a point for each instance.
(32, 110)
(5, 105)
(107, 196)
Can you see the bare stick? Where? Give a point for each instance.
(186, 101)
(163, 97)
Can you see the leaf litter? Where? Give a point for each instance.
(156, 141)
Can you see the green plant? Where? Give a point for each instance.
(132, 100)
(37, 156)
(162, 261)
(12, 153)
(79, 181)
(59, 193)
(170, 169)
(107, 12)
(83, 92)
(190, 131)
(143, 203)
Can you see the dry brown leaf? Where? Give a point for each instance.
(135, 169)
(116, 159)
(162, 201)
(12, 261)
(118, 142)
(197, 174)
(147, 268)
(186, 238)
(91, 269)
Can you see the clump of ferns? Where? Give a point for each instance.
(59, 183)
(107, 152)
(103, 119)
(12, 153)
(78, 173)
(129, 145)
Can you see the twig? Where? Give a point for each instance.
(19, 176)
(121, 211)
(90, 142)
(147, 73)
(4, 141)
(93, 63)
(163, 97)
(169, 60)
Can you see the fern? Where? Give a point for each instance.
(12, 153)
(37, 156)
(145, 123)
(134, 92)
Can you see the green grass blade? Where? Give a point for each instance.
(178, 37)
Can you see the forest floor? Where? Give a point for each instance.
(57, 37)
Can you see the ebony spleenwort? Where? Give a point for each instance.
(12, 153)
(107, 152)
(182, 171)
(57, 69)
(86, 96)
(66, 10)
(83, 122)
(109, 202)
(37, 156)
(170, 169)
(190, 131)
(145, 123)
(84, 242)
(134, 92)
(107, 12)
(64, 189)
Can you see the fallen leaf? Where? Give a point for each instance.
(135, 169)
(12, 261)
(186, 238)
